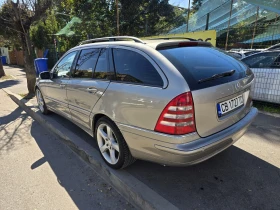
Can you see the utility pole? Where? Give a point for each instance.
(189, 10)
(118, 17)
(228, 24)
(254, 32)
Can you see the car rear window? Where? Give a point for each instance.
(196, 63)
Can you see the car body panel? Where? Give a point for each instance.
(206, 100)
(145, 146)
(55, 95)
(82, 95)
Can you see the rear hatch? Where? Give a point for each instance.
(220, 85)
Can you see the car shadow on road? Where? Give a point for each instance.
(9, 135)
(86, 189)
(234, 179)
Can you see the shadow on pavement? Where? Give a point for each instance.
(9, 135)
(268, 127)
(8, 83)
(86, 189)
(234, 179)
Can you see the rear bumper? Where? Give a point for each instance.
(144, 147)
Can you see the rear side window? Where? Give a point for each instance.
(132, 67)
(102, 66)
(197, 63)
(262, 60)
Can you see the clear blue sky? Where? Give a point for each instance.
(181, 3)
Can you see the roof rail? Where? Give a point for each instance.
(110, 39)
(167, 38)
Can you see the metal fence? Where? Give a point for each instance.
(267, 85)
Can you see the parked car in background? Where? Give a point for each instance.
(266, 67)
(174, 102)
(242, 53)
(274, 47)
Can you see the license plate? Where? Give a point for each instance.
(229, 105)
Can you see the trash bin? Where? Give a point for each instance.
(4, 60)
(41, 64)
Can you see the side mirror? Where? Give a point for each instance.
(45, 75)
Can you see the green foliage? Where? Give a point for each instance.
(42, 32)
(196, 4)
(137, 18)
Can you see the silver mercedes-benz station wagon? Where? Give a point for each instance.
(171, 101)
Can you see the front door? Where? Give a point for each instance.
(55, 96)
(88, 83)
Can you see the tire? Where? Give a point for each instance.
(114, 141)
(41, 103)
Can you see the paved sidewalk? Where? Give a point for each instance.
(39, 172)
(18, 84)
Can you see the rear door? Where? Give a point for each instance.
(89, 80)
(266, 68)
(218, 102)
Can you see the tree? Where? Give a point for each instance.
(2, 72)
(17, 18)
(2, 43)
(144, 17)
(42, 32)
(196, 4)
(137, 18)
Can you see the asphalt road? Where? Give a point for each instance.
(37, 171)
(245, 176)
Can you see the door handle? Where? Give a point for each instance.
(62, 86)
(91, 90)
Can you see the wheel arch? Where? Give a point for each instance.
(96, 117)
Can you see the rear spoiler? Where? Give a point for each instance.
(176, 44)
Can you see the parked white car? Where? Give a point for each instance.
(266, 67)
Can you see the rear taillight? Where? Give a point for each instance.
(177, 118)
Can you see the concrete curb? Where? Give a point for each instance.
(137, 193)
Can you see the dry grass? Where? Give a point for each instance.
(267, 107)
(23, 94)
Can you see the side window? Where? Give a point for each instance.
(261, 60)
(63, 68)
(86, 63)
(135, 68)
(102, 66)
(276, 63)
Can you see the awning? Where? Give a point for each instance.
(271, 5)
(67, 30)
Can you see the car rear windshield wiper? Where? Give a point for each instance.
(216, 76)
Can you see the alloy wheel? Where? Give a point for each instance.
(108, 144)
(40, 100)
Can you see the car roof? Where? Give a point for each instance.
(150, 43)
(273, 46)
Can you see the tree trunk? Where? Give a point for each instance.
(29, 63)
(2, 72)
